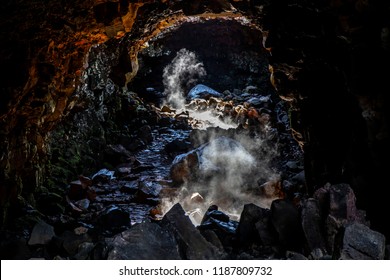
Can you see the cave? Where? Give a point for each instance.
(94, 148)
(232, 54)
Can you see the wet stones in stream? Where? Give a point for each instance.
(115, 203)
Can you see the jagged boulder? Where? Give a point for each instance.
(286, 220)
(221, 225)
(192, 245)
(360, 242)
(312, 225)
(337, 205)
(247, 232)
(144, 241)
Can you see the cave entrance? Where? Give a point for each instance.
(223, 135)
(232, 54)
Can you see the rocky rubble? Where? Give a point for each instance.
(108, 212)
(118, 214)
(285, 231)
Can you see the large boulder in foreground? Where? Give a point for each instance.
(362, 243)
(192, 245)
(286, 220)
(337, 207)
(145, 241)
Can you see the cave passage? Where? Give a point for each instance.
(237, 149)
(213, 77)
(232, 53)
(201, 125)
(213, 130)
(194, 130)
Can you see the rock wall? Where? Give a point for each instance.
(45, 51)
(327, 58)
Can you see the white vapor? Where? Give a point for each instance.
(226, 175)
(228, 169)
(178, 76)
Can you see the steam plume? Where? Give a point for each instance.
(228, 170)
(181, 74)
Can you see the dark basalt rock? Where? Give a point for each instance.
(176, 147)
(222, 227)
(71, 241)
(147, 189)
(116, 154)
(337, 205)
(212, 237)
(84, 251)
(362, 243)
(192, 245)
(246, 231)
(286, 220)
(129, 187)
(113, 218)
(312, 225)
(144, 241)
(265, 230)
(103, 176)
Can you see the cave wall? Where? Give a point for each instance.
(46, 48)
(66, 65)
(326, 61)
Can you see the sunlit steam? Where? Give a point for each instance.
(233, 187)
(181, 74)
(226, 175)
(209, 119)
(224, 171)
(178, 77)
